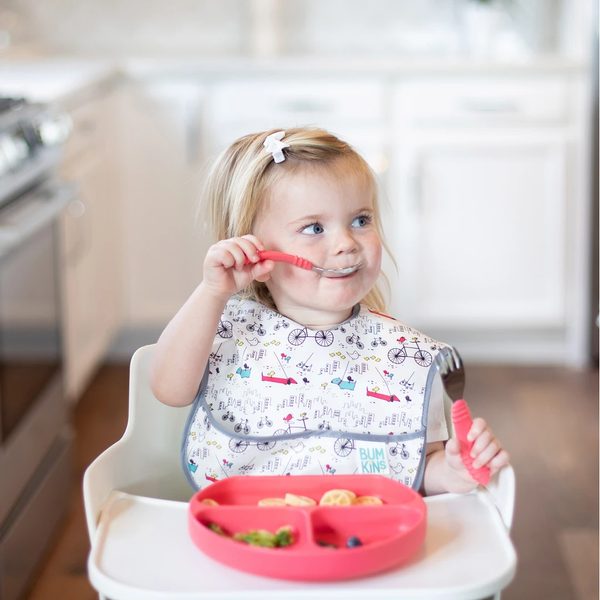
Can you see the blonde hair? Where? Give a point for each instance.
(238, 183)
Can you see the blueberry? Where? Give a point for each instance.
(353, 542)
(325, 544)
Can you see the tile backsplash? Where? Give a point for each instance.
(291, 27)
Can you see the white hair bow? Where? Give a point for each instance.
(275, 146)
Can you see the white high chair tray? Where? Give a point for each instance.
(142, 551)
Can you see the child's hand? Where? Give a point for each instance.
(486, 452)
(225, 269)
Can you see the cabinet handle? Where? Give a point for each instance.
(307, 106)
(193, 136)
(416, 181)
(78, 209)
(489, 106)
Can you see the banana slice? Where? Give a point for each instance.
(272, 502)
(337, 498)
(364, 500)
(210, 502)
(294, 500)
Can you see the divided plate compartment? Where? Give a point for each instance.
(390, 533)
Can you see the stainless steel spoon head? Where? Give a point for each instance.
(337, 272)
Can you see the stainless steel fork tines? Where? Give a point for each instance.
(451, 369)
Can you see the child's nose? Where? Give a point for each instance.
(345, 242)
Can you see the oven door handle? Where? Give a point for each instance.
(27, 215)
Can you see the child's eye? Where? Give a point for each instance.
(361, 221)
(313, 229)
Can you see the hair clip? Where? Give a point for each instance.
(275, 146)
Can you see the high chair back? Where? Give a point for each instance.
(146, 460)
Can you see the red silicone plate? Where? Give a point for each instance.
(390, 533)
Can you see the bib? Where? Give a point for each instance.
(278, 398)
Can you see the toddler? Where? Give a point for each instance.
(291, 371)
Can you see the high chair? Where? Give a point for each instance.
(135, 496)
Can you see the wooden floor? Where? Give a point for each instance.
(546, 417)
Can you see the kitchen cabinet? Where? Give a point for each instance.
(482, 225)
(482, 180)
(481, 231)
(161, 155)
(354, 108)
(90, 244)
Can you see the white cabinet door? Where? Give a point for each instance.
(479, 233)
(161, 154)
(91, 286)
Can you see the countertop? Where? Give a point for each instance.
(70, 80)
(63, 81)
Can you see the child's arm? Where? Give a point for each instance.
(182, 351)
(444, 469)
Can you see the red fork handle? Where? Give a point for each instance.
(297, 261)
(461, 418)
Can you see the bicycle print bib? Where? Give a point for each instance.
(278, 398)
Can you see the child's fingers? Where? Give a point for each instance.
(500, 460)
(255, 241)
(223, 254)
(244, 251)
(487, 454)
(453, 446)
(482, 441)
(477, 429)
(249, 248)
(236, 253)
(262, 271)
(453, 454)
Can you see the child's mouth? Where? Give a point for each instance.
(338, 273)
(342, 277)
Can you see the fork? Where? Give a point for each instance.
(452, 372)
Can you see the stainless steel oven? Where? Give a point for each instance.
(35, 437)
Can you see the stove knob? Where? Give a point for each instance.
(10, 152)
(4, 166)
(22, 148)
(54, 129)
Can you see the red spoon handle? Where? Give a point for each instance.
(297, 261)
(461, 418)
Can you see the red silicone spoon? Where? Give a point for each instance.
(302, 263)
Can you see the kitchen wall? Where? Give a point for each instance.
(236, 27)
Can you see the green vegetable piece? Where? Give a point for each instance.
(214, 527)
(257, 538)
(284, 536)
(266, 539)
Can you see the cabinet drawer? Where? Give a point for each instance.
(371, 143)
(281, 103)
(483, 102)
